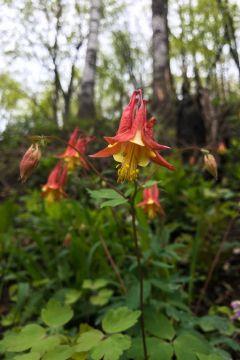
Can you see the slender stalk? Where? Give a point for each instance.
(194, 258)
(140, 272)
(216, 259)
(113, 265)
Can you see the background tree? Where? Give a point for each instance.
(162, 81)
(87, 99)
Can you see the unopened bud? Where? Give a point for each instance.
(29, 161)
(210, 165)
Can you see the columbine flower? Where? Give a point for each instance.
(150, 203)
(134, 144)
(77, 146)
(29, 161)
(236, 309)
(53, 189)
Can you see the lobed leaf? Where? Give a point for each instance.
(119, 319)
(55, 314)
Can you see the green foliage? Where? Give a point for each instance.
(43, 345)
(24, 340)
(88, 340)
(121, 319)
(114, 198)
(111, 348)
(56, 314)
(79, 275)
(159, 325)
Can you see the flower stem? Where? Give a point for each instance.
(113, 265)
(140, 272)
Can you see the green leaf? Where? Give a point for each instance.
(56, 314)
(209, 357)
(29, 356)
(224, 355)
(165, 286)
(232, 344)
(94, 284)
(111, 348)
(158, 325)
(114, 198)
(104, 194)
(132, 296)
(157, 349)
(150, 183)
(101, 298)
(188, 345)
(119, 319)
(114, 202)
(68, 296)
(210, 323)
(61, 352)
(23, 340)
(71, 296)
(46, 344)
(88, 340)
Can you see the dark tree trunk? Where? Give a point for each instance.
(190, 121)
(229, 31)
(162, 82)
(87, 104)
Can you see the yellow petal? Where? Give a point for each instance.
(137, 139)
(143, 157)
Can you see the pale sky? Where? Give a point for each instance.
(137, 18)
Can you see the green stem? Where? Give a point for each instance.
(140, 272)
(194, 258)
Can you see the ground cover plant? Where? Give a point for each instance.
(96, 283)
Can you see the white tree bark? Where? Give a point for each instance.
(162, 87)
(87, 107)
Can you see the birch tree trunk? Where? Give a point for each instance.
(162, 82)
(87, 105)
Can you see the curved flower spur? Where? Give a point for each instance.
(53, 190)
(134, 143)
(76, 146)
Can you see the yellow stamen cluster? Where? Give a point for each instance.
(131, 156)
(72, 162)
(151, 212)
(128, 169)
(127, 172)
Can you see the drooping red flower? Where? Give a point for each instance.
(77, 146)
(134, 143)
(29, 161)
(53, 190)
(150, 203)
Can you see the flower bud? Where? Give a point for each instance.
(222, 149)
(29, 161)
(210, 165)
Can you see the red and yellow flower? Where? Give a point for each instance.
(150, 203)
(53, 190)
(77, 146)
(134, 144)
